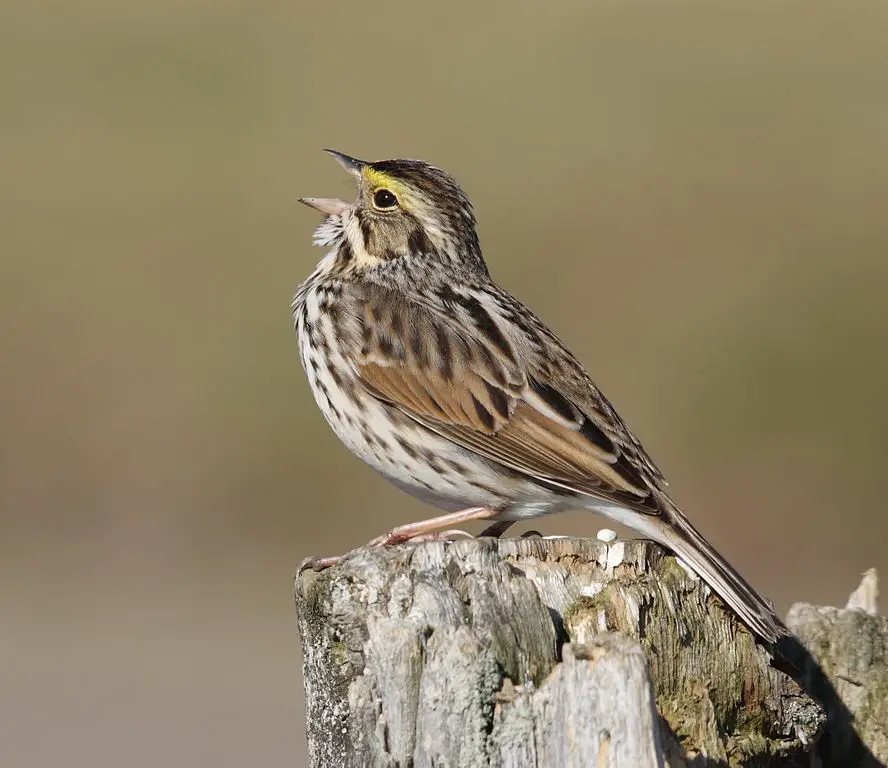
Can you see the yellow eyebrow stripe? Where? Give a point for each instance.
(377, 179)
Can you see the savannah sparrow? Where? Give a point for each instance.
(456, 392)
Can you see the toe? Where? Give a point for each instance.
(317, 563)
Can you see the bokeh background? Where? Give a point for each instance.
(692, 194)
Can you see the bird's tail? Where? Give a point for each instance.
(675, 531)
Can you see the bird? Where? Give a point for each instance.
(452, 389)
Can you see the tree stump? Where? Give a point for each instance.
(556, 653)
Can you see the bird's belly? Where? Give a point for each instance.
(418, 461)
(412, 457)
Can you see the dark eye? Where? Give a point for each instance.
(382, 198)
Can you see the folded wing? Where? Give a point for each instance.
(477, 391)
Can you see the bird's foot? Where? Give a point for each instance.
(412, 531)
(424, 530)
(318, 563)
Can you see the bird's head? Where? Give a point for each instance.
(405, 209)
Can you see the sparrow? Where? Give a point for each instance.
(456, 392)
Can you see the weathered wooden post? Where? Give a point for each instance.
(556, 653)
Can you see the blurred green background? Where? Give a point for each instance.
(692, 194)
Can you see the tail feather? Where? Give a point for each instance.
(677, 533)
(674, 531)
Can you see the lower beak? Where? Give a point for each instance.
(328, 205)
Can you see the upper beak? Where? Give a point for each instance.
(351, 164)
(332, 206)
(329, 205)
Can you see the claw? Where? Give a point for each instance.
(318, 563)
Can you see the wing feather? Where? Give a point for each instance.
(466, 388)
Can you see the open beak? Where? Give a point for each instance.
(351, 164)
(328, 205)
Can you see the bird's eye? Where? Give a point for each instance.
(382, 198)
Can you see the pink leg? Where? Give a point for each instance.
(406, 532)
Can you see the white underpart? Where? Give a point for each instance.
(637, 521)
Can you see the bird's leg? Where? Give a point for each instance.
(497, 529)
(424, 530)
(406, 532)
